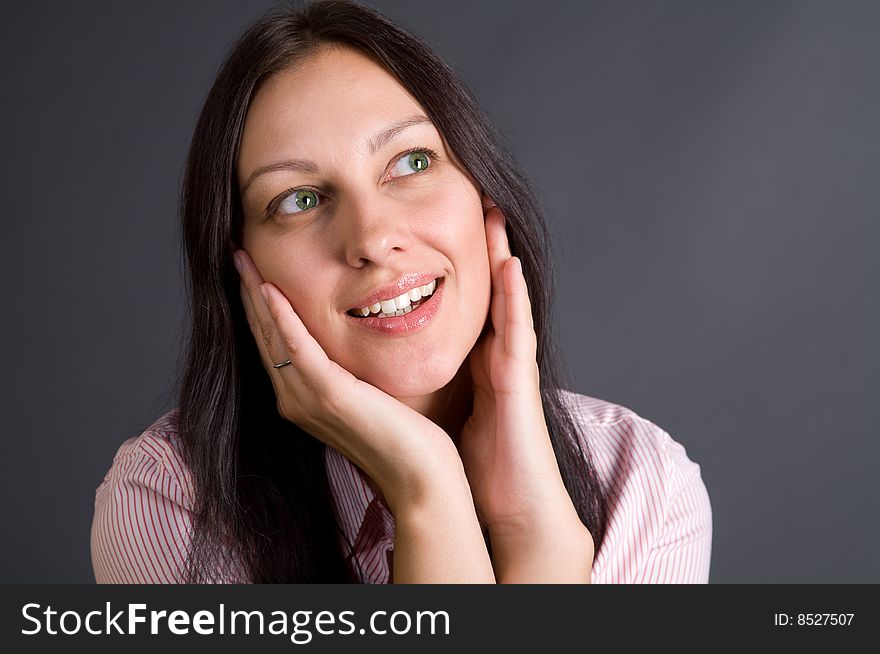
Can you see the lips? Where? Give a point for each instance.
(407, 324)
(403, 285)
(407, 302)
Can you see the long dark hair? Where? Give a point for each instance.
(261, 494)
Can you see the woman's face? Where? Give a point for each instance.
(363, 214)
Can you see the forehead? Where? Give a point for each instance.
(336, 97)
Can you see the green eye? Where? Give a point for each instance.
(302, 200)
(305, 199)
(418, 161)
(413, 162)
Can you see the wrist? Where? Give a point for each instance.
(439, 478)
(549, 549)
(437, 534)
(537, 530)
(547, 511)
(564, 557)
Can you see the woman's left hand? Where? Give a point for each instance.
(505, 445)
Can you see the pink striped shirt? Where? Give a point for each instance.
(659, 527)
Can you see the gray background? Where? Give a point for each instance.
(710, 171)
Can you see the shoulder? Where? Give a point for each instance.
(158, 442)
(625, 445)
(156, 450)
(142, 509)
(654, 491)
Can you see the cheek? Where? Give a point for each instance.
(458, 228)
(470, 258)
(292, 269)
(455, 219)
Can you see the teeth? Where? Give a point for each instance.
(402, 301)
(388, 306)
(399, 312)
(400, 305)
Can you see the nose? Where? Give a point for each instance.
(374, 229)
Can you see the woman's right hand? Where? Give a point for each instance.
(413, 461)
(405, 453)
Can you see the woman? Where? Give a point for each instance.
(371, 392)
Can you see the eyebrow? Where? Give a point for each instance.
(376, 142)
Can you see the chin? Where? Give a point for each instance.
(422, 377)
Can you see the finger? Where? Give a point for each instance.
(499, 252)
(499, 248)
(256, 330)
(259, 317)
(251, 316)
(307, 356)
(249, 311)
(520, 340)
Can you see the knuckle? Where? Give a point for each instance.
(533, 340)
(316, 412)
(290, 345)
(266, 334)
(292, 410)
(275, 314)
(330, 403)
(283, 411)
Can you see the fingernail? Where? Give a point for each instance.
(236, 261)
(518, 265)
(265, 293)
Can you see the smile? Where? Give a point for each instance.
(405, 314)
(399, 305)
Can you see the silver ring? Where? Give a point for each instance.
(282, 364)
